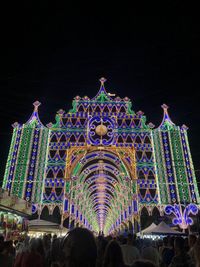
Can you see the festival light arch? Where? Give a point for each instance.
(100, 164)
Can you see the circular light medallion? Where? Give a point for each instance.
(101, 130)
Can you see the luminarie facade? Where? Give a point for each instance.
(100, 164)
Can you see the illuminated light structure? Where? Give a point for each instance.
(99, 165)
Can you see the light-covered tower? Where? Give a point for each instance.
(25, 168)
(175, 171)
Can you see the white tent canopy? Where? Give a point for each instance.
(163, 228)
(42, 225)
(148, 229)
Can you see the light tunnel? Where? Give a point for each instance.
(101, 189)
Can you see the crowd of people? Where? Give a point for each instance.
(79, 248)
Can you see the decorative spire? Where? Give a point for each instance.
(36, 104)
(166, 118)
(15, 124)
(102, 80)
(60, 112)
(140, 113)
(102, 95)
(35, 117)
(164, 106)
(102, 88)
(151, 125)
(49, 125)
(184, 127)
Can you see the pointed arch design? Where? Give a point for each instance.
(52, 153)
(45, 213)
(114, 109)
(144, 211)
(65, 121)
(139, 154)
(97, 109)
(54, 138)
(48, 191)
(120, 139)
(63, 138)
(72, 138)
(50, 173)
(129, 139)
(90, 109)
(81, 108)
(128, 122)
(74, 121)
(59, 191)
(137, 122)
(153, 193)
(156, 212)
(60, 174)
(82, 121)
(141, 175)
(122, 110)
(138, 139)
(143, 192)
(56, 216)
(151, 175)
(81, 139)
(106, 109)
(62, 153)
(147, 140)
(148, 155)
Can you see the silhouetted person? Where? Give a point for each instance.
(1, 243)
(191, 241)
(150, 253)
(32, 257)
(166, 252)
(79, 248)
(101, 246)
(130, 252)
(197, 252)
(143, 263)
(6, 255)
(113, 255)
(181, 258)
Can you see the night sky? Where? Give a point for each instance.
(57, 52)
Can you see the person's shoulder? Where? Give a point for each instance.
(135, 248)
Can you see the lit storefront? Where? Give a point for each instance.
(14, 213)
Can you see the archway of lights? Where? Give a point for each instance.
(100, 165)
(102, 187)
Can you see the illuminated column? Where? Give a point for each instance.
(27, 158)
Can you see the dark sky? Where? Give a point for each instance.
(57, 52)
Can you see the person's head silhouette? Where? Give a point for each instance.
(80, 248)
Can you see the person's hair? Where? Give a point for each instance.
(79, 248)
(171, 241)
(143, 263)
(192, 239)
(36, 245)
(113, 255)
(7, 246)
(196, 251)
(179, 243)
(1, 238)
(129, 239)
(165, 241)
(55, 251)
